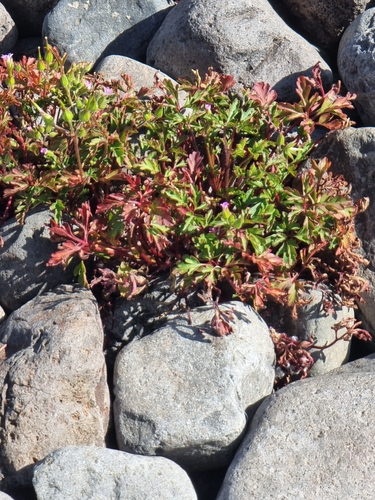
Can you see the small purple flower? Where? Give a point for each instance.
(208, 107)
(88, 84)
(7, 60)
(107, 90)
(224, 205)
(7, 57)
(44, 151)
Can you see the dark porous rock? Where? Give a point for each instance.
(183, 392)
(29, 14)
(243, 38)
(89, 30)
(54, 391)
(90, 473)
(355, 62)
(323, 22)
(311, 439)
(23, 258)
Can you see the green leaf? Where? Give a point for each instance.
(288, 251)
(80, 272)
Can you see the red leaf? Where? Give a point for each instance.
(262, 94)
(66, 250)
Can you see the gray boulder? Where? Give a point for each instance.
(112, 67)
(323, 22)
(366, 364)
(355, 63)
(183, 393)
(311, 439)
(23, 259)
(352, 153)
(314, 321)
(244, 38)
(8, 31)
(29, 14)
(54, 391)
(89, 30)
(87, 473)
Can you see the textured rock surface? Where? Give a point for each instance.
(241, 37)
(8, 31)
(182, 392)
(112, 67)
(355, 62)
(142, 75)
(313, 321)
(23, 258)
(324, 22)
(88, 473)
(366, 364)
(53, 380)
(352, 152)
(89, 30)
(311, 439)
(29, 14)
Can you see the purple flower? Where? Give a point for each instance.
(224, 205)
(7, 60)
(7, 57)
(107, 90)
(88, 84)
(44, 151)
(208, 107)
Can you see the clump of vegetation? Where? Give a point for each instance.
(194, 180)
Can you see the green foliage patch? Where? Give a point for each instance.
(196, 180)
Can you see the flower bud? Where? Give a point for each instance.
(64, 81)
(84, 116)
(67, 115)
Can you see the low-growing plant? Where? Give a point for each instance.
(195, 180)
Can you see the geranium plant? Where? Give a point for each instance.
(193, 180)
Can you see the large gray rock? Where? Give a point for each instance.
(183, 392)
(311, 439)
(324, 22)
(89, 30)
(8, 31)
(352, 153)
(29, 14)
(90, 473)
(355, 62)
(314, 321)
(23, 259)
(54, 391)
(365, 365)
(244, 38)
(112, 67)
